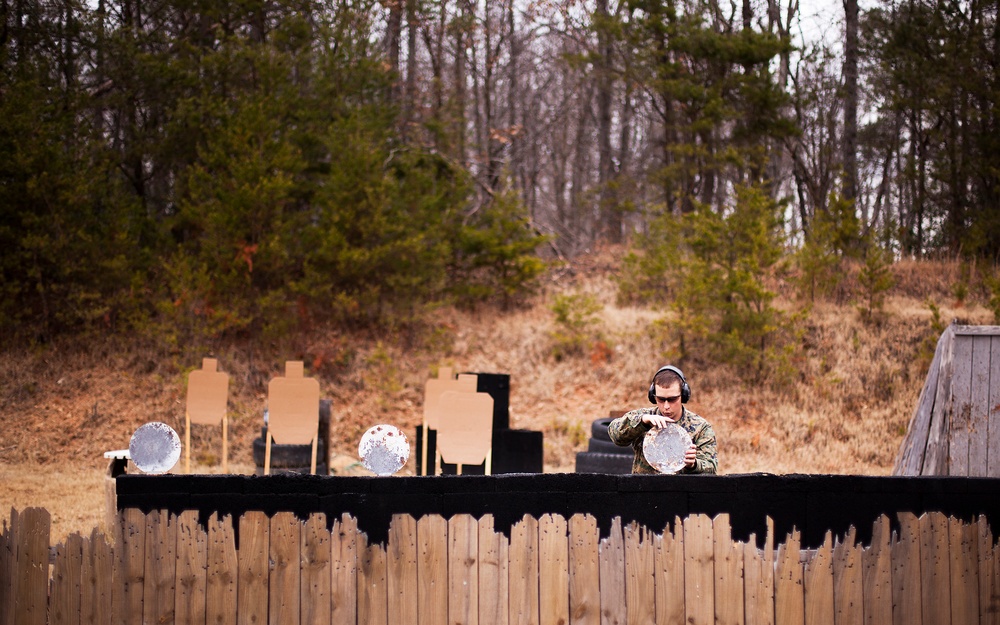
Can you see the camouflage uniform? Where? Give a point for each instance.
(630, 430)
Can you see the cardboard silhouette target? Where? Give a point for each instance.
(207, 394)
(433, 390)
(293, 412)
(465, 428)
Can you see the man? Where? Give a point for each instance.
(669, 390)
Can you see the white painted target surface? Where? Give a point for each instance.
(154, 447)
(664, 447)
(384, 449)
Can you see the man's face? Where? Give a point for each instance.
(668, 400)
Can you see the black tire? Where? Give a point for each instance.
(588, 462)
(288, 456)
(599, 429)
(596, 445)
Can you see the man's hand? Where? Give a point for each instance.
(656, 420)
(690, 456)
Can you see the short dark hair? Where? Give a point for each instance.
(667, 377)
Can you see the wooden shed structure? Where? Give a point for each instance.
(955, 429)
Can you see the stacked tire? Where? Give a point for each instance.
(602, 455)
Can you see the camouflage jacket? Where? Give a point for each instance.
(630, 430)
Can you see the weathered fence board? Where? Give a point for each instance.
(989, 590)
(523, 583)
(669, 573)
(935, 587)
(284, 570)
(432, 570)
(935, 455)
(584, 571)
(344, 574)
(758, 575)
(611, 562)
(963, 572)
(729, 578)
(192, 562)
(789, 586)
(160, 568)
(31, 546)
(401, 569)
(876, 575)
(463, 570)
(315, 584)
(819, 585)
(640, 583)
(64, 589)
(96, 576)
(372, 586)
(253, 569)
(7, 577)
(906, 601)
(993, 411)
(848, 593)
(960, 406)
(553, 570)
(979, 410)
(127, 581)
(493, 577)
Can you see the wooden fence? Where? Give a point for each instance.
(163, 568)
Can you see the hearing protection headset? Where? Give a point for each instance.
(685, 389)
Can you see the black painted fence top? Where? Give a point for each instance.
(813, 504)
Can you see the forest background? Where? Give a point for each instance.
(367, 185)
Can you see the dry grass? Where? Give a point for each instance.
(64, 405)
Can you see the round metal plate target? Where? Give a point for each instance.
(384, 449)
(155, 447)
(664, 448)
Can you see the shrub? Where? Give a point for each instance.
(576, 316)
(875, 278)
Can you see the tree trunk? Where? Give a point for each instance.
(850, 144)
(609, 212)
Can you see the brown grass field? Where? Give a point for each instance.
(65, 404)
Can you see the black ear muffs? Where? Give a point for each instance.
(685, 389)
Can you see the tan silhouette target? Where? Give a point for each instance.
(433, 390)
(465, 428)
(207, 394)
(293, 412)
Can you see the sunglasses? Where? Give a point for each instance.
(667, 400)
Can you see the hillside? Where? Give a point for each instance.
(64, 405)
